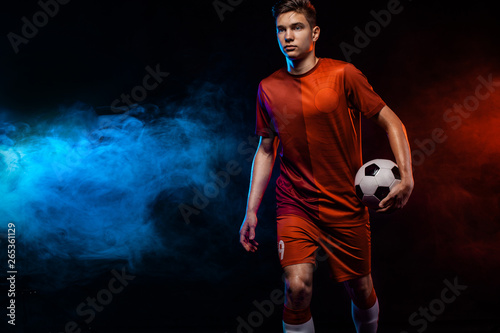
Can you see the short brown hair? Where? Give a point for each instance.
(304, 7)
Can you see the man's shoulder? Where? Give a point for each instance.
(278, 75)
(334, 64)
(345, 69)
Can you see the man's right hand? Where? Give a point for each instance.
(262, 168)
(247, 233)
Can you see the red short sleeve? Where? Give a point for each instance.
(264, 126)
(359, 92)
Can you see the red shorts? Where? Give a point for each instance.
(348, 250)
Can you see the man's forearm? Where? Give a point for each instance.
(261, 173)
(398, 140)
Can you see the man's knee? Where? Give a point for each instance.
(360, 289)
(298, 286)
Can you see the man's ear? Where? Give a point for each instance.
(315, 33)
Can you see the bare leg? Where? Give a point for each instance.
(364, 304)
(359, 289)
(298, 285)
(298, 292)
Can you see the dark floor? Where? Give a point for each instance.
(442, 328)
(455, 327)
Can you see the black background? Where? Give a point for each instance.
(427, 58)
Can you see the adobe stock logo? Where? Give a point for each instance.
(425, 315)
(372, 29)
(139, 93)
(211, 190)
(454, 116)
(222, 7)
(266, 308)
(88, 308)
(30, 29)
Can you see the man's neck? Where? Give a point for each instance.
(301, 66)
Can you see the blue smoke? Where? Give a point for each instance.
(83, 188)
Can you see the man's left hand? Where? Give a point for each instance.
(397, 198)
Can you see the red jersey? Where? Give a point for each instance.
(317, 118)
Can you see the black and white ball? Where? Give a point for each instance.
(374, 180)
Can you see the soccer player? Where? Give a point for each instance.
(313, 107)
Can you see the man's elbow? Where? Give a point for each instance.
(268, 146)
(388, 120)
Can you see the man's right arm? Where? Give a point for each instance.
(261, 173)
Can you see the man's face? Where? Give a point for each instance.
(294, 35)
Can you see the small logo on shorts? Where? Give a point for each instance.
(281, 249)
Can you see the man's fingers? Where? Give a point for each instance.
(386, 202)
(391, 204)
(252, 243)
(382, 210)
(247, 235)
(246, 245)
(250, 246)
(388, 209)
(243, 241)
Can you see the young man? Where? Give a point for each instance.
(313, 108)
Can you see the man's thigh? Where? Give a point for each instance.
(297, 240)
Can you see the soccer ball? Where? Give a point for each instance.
(374, 180)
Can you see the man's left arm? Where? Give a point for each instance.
(396, 132)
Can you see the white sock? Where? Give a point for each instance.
(365, 320)
(307, 327)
